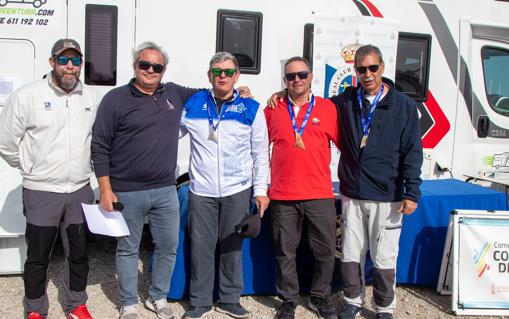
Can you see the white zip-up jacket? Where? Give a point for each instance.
(240, 157)
(46, 133)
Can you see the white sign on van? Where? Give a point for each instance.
(8, 85)
(335, 41)
(32, 14)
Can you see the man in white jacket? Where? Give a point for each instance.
(229, 162)
(45, 132)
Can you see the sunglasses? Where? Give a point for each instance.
(218, 71)
(63, 60)
(145, 65)
(372, 68)
(291, 76)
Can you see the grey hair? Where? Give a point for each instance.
(299, 59)
(366, 50)
(150, 46)
(221, 57)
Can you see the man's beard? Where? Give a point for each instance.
(66, 82)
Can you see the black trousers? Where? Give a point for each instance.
(46, 214)
(287, 221)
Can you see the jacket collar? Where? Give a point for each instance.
(136, 92)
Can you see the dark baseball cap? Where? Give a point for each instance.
(64, 44)
(249, 226)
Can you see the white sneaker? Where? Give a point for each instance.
(160, 307)
(129, 312)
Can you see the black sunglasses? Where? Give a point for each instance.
(145, 65)
(63, 60)
(372, 68)
(302, 75)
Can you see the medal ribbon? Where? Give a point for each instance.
(366, 121)
(306, 117)
(212, 104)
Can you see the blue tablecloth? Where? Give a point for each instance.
(421, 244)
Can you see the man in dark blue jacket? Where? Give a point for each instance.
(379, 169)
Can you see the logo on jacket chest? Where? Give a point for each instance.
(236, 108)
(170, 105)
(47, 106)
(315, 121)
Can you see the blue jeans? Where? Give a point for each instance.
(161, 207)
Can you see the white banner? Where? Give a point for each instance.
(481, 263)
(335, 41)
(484, 260)
(32, 14)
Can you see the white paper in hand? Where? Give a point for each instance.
(105, 223)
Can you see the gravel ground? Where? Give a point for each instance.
(103, 292)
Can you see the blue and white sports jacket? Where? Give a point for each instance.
(240, 157)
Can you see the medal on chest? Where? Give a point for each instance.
(299, 143)
(212, 134)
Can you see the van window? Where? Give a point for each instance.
(101, 44)
(412, 65)
(307, 51)
(240, 33)
(495, 63)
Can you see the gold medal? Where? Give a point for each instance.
(212, 135)
(298, 141)
(364, 140)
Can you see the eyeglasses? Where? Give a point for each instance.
(63, 60)
(372, 68)
(218, 71)
(145, 65)
(302, 75)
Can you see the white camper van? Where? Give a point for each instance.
(452, 58)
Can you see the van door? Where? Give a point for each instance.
(489, 62)
(106, 31)
(17, 68)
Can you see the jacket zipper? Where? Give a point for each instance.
(68, 128)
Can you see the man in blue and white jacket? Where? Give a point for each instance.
(229, 161)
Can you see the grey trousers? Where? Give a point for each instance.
(47, 213)
(377, 226)
(211, 222)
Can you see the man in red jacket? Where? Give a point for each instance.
(301, 128)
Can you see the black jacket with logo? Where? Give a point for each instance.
(388, 168)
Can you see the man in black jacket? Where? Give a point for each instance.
(379, 169)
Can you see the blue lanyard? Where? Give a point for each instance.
(306, 117)
(366, 121)
(212, 104)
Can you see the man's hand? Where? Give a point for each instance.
(245, 92)
(407, 207)
(273, 99)
(262, 202)
(106, 200)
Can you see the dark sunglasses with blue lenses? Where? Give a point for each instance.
(63, 60)
(362, 69)
(302, 75)
(145, 65)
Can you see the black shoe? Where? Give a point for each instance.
(197, 312)
(321, 305)
(286, 310)
(233, 309)
(349, 312)
(384, 315)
